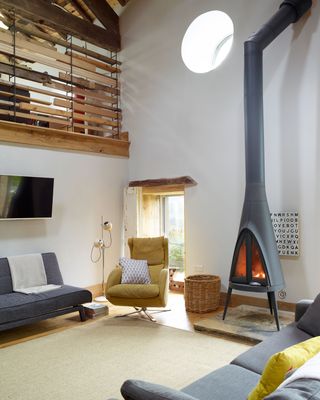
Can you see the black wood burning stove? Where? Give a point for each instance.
(256, 265)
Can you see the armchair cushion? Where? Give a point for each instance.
(154, 271)
(151, 249)
(114, 278)
(137, 291)
(134, 271)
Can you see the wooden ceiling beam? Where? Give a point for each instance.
(61, 3)
(44, 13)
(123, 2)
(104, 13)
(80, 10)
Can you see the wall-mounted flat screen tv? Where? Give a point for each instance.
(24, 197)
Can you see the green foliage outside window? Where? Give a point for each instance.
(176, 249)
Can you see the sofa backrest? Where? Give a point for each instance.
(50, 264)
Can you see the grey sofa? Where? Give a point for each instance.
(236, 380)
(18, 309)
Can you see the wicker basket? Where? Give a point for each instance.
(202, 293)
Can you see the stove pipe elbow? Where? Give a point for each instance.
(300, 7)
(290, 11)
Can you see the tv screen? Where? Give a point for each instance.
(24, 197)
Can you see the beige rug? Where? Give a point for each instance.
(91, 362)
(245, 322)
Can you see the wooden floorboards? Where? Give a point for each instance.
(177, 318)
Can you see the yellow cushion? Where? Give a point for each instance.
(150, 249)
(281, 363)
(154, 271)
(134, 291)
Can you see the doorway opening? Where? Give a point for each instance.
(162, 214)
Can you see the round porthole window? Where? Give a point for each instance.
(207, 41)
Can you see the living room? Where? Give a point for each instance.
(180, 123)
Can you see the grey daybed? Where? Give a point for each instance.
(18, 309)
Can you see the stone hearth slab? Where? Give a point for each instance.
(244, 322)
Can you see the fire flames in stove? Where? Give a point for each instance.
(249, 264)
(241, 265)
(257, 265)
(260, 275)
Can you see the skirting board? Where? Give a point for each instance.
(237, 300)
(96, 290)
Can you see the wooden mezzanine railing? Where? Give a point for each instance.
(55, 92)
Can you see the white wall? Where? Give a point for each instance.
(86, 187)
(182, 123)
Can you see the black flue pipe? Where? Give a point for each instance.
(290, 11)
(255, 224)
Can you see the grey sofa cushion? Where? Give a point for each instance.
(301, 308)
(5, 277)
(140, 390)
(256, 358)
(52, 269)
(310, 321)
(227, 383)
(18, 306)
(301, 389)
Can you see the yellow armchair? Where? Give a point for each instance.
(141, 296)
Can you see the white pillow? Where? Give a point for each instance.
(309, 370)
(134, 271)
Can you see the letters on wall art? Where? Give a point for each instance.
(286, 231)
